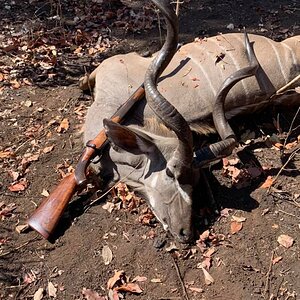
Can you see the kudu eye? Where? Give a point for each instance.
(169, 173)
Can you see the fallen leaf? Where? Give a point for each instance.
(210, 252)
(107, 255)
(22, 228)
(238, 219)
(112, 281)
(297, 89)
(51, 290)
(63, 126)
(235, 227)
(204, 235)
(289, 146)
(92, 295)
(156, 280)
(207, 277)
(38, 295)
(285, 240)
(15, 84)
(276, 260)
(14, 175)
(109, 206)
(129, 287)
(19, 186)
(28, 103)
(172, 247)
(45, 193)
(268, 183)
(6, 210)
(6, 154)
(139, 279)
(48, 149)
(195, 289)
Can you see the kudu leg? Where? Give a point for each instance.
(228, 142)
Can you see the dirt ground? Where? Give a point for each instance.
(244, 252)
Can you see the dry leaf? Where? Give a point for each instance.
(172, 247)
(210, 252)
(14, 175)
(297, 89)
(15, 84)
(112, 281)
(6, 154)
(207, 277)
(204, 235)
(291, 145)
(28, 103)
(129, 287)
(107, 255)
(156, 280)
(45, 193)
(197, 290)
(235, 227)
(63, 126)
(51, 290)
(19, 186)
(48, 149)
(276, 260)
(139, 279)
(6, 210)
(91, 295)
(268, 183)
(22, 228)
(38, 295)
(238, 219)
(285, 240)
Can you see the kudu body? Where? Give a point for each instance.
(146, 152)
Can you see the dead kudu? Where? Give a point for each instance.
(153, 151)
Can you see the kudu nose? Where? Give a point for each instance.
(185, 235)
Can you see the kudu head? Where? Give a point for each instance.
(166, 158)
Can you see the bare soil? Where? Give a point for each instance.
(248, 264)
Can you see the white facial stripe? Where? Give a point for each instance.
(186, 197)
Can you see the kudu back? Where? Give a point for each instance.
(142, 151)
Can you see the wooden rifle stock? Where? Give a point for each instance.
(46, 217)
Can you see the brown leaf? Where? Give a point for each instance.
(92, 295)
(238, 219)
(113, 280)
(276, 260)
(19, 186)
(139, 279)
(6, 154)
(235, 227)
(63, 126)
(129, 287)
(268, 183)
(297, 89)
(15, 84)
(291, 145)
(285, 240)
(48, 149)
(210, 252)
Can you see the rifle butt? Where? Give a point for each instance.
(46, 217)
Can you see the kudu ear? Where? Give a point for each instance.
(122, 137)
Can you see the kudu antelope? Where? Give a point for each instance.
(153, 150)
